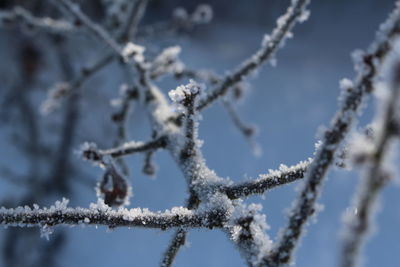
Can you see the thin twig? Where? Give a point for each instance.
(266, 182)
(134, 147)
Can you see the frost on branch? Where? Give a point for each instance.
(267, 181)
(19, 16)
(133, 51)
(214, 202)
(54, 97)
(304, 207)
(102, 214)
(167, 62)
(295, 13)
(375, 154)
(248, 233)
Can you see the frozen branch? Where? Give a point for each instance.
(21, 16)
(359, 217)
(56, 94)
(304, 207)
(60, 90)
(295, 13)
(128, 148)
(181, 22)
(135, 15)
(268, 181)
(100, 214)
(179, 237)
(178, 240)
(211, 78)
(98, 31)
(247, 231)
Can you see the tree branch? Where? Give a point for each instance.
(100, 214)
(135, 15)
(22, 16)
(179, 237)
(359, 218)
(295, 13)
(304, 207)
(134, 147)
(97, 30)
(268, 181)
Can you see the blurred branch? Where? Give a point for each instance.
(136, 14)
(360, 214)
(304, 206)
(21, 16)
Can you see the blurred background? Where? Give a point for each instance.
(288, 103)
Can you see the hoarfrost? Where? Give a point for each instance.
(134, 51)
(46, 231)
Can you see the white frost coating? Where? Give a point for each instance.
(184, 91)
(25, 18)
(160, 112)
(192, 90)
(269, 46)
(285, 169)
(255, 229)
(167, 62)
(304, 16)
(123, 93)
(360, 148)
(54, 97)
(134, 51)
(46, 231)
(346, 84)
(358, 60)
(317, 145)
(376, 157)
(98, 213)
(266, 40)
